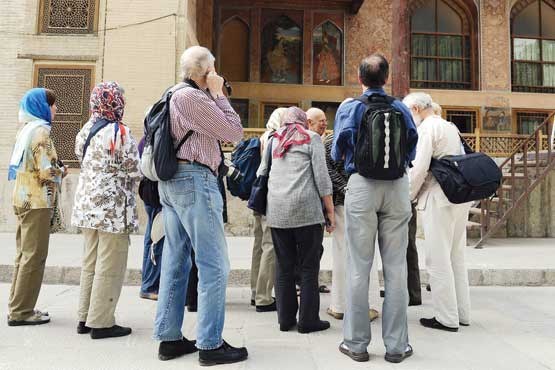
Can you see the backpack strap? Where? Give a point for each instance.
(95, 129)
(169, 94)
(365, 99)
(183, 140)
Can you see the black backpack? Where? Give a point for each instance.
(381, 147)
(468, 177)
(159, 160)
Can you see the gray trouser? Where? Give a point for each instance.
(382, 207)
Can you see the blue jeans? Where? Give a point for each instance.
(151, 272)
(193, 213)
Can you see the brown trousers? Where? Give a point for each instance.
(32, 237)
(102, 274)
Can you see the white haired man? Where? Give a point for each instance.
(444, 223)
(193, 207)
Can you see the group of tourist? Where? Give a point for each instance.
(316, 184)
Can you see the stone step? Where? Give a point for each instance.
(60, 275)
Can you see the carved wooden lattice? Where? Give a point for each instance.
(68, 16)
(72, 86)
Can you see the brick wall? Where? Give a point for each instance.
(143, 58)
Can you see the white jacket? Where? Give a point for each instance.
(436, 138)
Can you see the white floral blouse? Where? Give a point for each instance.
(105, 198)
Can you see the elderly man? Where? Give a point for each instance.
(444, 222)
(317, 121)
(193, 208)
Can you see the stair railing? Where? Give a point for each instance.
(506, 207)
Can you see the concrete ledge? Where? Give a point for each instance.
(241, 277)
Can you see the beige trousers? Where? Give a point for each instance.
(339, 271)
(102, 273)
(445, 230)
(263, 266)
(32, 237)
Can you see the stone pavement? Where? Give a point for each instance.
(512, 329)
(505, 262)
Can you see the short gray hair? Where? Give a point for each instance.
(195, 62)
(419, 100)
(436, 108)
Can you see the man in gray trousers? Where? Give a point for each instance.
(376, 206)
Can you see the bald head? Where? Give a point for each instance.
(317, 120)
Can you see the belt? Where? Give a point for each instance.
(197, 163)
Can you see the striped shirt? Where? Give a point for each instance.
(338, 176)
(211, 120)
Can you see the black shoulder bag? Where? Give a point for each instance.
(468, 177)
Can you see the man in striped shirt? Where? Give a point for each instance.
(192, 206)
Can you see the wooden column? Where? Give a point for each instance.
(307, 48)
(400, 63)
(205, 24)
(256, 31)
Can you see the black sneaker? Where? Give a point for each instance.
(267, 308)
(358, 357)
(225, 354)
(113, 332)
(253, 303)
(177, 348)
(310, 328)
(396, 358)
(82, 328)
(428, 288)
(434, 324)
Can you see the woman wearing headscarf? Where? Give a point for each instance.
(105, 209)
(38, 173)
(263, 266)
(299, 204)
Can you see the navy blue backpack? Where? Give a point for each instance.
(246, 158)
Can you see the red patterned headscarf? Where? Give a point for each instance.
(293, 131)
(107, 102)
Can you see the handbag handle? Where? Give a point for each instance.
(269, 156)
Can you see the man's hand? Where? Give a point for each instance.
(215, 84)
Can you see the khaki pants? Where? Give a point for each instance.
(102, 273)
(32, 237)
(263, 267)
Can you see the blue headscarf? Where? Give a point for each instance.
(34, 103)
(34, 111)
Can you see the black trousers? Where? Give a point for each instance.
(191, 298)
(415, 290)
(299, 245)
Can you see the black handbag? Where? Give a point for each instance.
(468, 177)
(258, 199)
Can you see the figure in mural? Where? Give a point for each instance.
(327, 55)
(281, 52)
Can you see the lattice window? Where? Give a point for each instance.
(464, 119)
(527, 122)
(72, 85)
(68, 16)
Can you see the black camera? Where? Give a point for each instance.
(228, 168)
